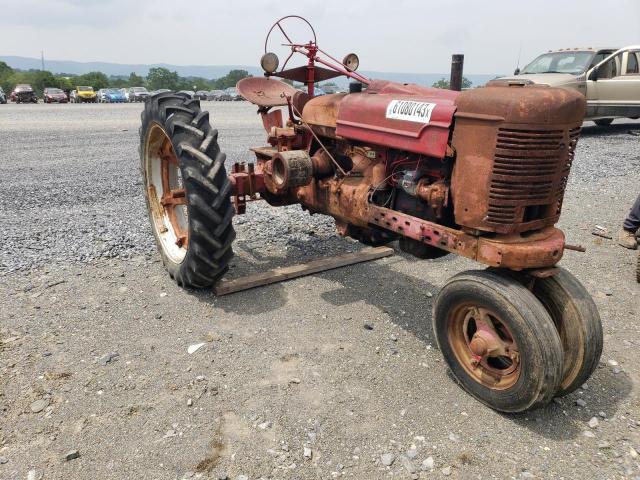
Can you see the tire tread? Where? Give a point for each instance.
(211, 232)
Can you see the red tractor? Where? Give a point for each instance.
(480, 173)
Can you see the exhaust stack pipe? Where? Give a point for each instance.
(457, 64)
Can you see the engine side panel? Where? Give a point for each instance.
(407, 117)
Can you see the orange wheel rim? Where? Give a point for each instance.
(166, 194)
(484, 346)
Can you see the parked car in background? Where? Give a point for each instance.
(317, 91)
(608, 77)
(214, 94)
(3, 96)
(201, 95)
(160, 90)
(330, 88)
(138, 94)
(125, 92)
(54, 95)
(84, 94)
(189, 93)
(112, 95)
(23, 93)
(224, 96)
(233, 93)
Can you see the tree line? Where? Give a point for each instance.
(157, 78)
(444, 83)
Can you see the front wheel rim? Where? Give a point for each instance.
(166, 194)
(484, 346)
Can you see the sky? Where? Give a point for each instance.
(388, 35)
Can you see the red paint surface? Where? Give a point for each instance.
(362, 117)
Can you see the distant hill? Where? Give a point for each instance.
(120, 69)
(208, 71)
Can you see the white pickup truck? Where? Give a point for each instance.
(609, 78)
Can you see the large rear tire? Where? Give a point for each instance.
(186, 189)
(498, 340)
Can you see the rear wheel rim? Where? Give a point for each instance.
(166, 194)
(484, 346)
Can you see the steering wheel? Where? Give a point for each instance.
(290, 43)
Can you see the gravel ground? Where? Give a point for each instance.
(96, 380)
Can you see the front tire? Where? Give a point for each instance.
(498, 340)
(186, 189)
(578, 322)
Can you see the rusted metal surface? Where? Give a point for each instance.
(271, 120)
(173, 193)
(498, 172)
(514, 147)
(484, 346)
(484, 183)
(542, 249)
(265, 92)
(436, 194)
(323, 111)
(166, 193)
(285, 138)
(424, 231)
(322, 165)
(345, 199)
(246, 184)
(291, 169)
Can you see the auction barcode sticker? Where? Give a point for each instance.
(410, 111)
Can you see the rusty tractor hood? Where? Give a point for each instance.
(396, 115)
(518, 104)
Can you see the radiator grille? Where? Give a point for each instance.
(530, 169)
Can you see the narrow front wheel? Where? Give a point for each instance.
(498, 340)
(578, 322)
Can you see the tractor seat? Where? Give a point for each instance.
(323, 111)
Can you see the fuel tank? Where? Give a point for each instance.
(403, 116)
